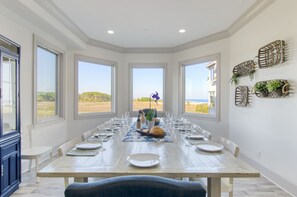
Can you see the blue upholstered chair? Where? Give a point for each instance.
(136, 186)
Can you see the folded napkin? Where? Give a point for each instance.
(79, 152)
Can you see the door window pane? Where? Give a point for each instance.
(47, 84)
(9, 94)
(146, 82)
(94, 88)
(200, 88)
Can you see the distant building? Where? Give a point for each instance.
(212, 82)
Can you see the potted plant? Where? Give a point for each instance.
(261, 88)
(234, 79)
(275, 87)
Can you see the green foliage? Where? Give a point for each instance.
(94, 97)
(150, 115)
(46, 96)
(202, 108)
(234, 79)
(273, 85)
(252, 74)
(143, 99)
(260, 86)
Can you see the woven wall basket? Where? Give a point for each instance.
(245, 68)
(271, 54)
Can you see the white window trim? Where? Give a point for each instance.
(147, 65)
(113, 66)
(181, 106)
(37, 41)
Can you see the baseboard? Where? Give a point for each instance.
(271, 176)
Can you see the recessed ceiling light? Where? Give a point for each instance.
(110, 32)
(182, 31)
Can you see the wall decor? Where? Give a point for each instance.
(272, 54)
(243, 69)
(271, 88)
(241, 96)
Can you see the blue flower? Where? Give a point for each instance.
(155, 96)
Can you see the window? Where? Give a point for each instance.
(95, 91)
(146, 80)
(199, 87)
(48, 83)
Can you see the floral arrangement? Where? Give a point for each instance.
(155, 96)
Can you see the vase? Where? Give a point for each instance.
(151, 124)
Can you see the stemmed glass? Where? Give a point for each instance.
(188, 132)
(102, 135)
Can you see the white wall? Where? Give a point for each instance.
(21, 32)
(266, 130)
(222, 47)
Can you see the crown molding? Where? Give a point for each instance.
(201, 41)
(258, 7)
(104, 45)
(54, 11)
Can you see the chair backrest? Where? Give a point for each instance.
(230, 146)
(135, 186)
(64, 148)
(88, 134)
(207, 134)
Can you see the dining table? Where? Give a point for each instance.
(177, 158)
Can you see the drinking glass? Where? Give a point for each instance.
(102, 135)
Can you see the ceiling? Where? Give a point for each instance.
(152, 23)
(138, 24)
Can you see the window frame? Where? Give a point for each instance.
(181, 104)
(113, 66)
(147, 66)
(60, 66)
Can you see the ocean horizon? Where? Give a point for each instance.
(197, 100)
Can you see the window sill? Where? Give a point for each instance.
(49, 122)
(201, 116)
(94, 115)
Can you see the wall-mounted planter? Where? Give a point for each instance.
(271, 88)
(243, 69)
(271, 54)
(241, 96)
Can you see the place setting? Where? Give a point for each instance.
(210, 147)
(86, 148)
(144, 160)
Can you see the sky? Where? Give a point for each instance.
(147, 81)
(196, 81)
(90, 75)
(46, 70)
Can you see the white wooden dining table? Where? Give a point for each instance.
(177, 159)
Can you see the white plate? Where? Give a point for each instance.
(88, 145)
(104, 134)
(212, 147)
(144, 160)
(196, 137)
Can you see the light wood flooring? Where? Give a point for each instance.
(54, 187)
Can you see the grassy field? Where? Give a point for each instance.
(47, 109)
(137, 105)
(94, 107)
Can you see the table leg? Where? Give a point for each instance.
(30, 165)
(81, 179)
(36, 169)
(213, 187)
